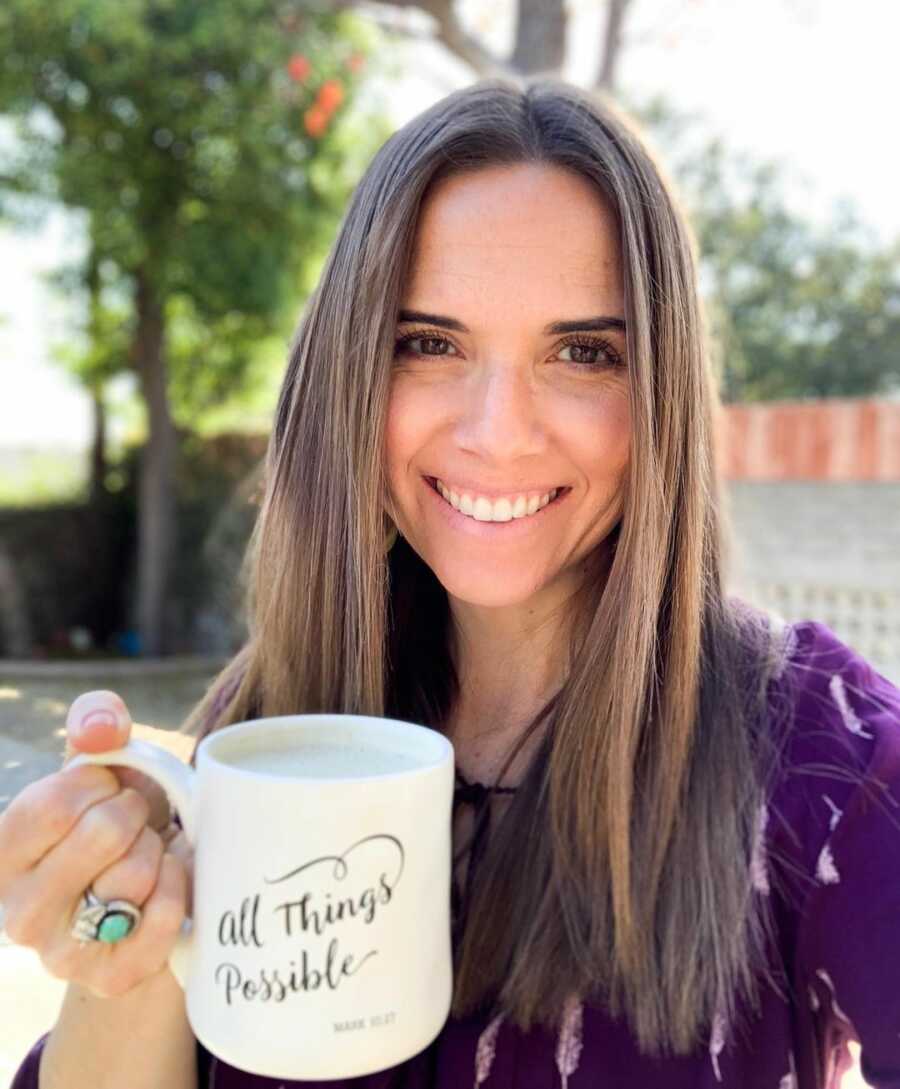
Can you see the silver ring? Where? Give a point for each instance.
(104, 920)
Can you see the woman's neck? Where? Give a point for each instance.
(505, 674)
(483, 739)
(511, 659)
(510, 662)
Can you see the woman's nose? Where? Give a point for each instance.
(500, 418)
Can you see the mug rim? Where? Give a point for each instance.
(443, 747)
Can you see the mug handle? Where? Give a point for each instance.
(178, 780)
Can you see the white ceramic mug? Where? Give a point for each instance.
(320, 942)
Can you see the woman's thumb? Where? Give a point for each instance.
(97, 721)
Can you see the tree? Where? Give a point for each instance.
(794, 312)
(104, 355)
(540, 36)
(797, 311)
(212, 175)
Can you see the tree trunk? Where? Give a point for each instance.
(15, 624)
(540, 37)
(612, 46)
(97, 485)
(97, 467)
(156, 490)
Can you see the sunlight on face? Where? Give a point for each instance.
(499, 403)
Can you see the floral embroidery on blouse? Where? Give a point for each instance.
(758, 873)
(826, 978)
(486, 1049)
(836, 813)
(789, 1081)
(826, 871)
(717, 1041)
(839, 695)
(568, 1049)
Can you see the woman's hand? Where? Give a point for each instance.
(100, 827)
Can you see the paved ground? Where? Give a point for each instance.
(34, 700)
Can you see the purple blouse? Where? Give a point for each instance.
(838, 927)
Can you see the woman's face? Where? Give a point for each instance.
(492, 401)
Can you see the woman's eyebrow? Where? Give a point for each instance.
(421, 318)
(586, 325)
(578, 325)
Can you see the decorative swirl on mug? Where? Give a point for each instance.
(341, 868)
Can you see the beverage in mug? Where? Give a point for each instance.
(320, 941)
(320, 761)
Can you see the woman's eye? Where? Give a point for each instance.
(427, 340)
(584, 354)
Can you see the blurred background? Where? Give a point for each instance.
(171, 177)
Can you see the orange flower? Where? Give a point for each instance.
(316, 120)
(331, 95)
(356, 61)
(298, 67)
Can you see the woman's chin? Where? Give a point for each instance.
(488, 582)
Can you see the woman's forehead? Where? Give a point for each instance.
(503, 226)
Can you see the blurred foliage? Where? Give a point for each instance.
(221, 160)
(795, 311)
(219, 488)
(92, 587)
(35, 478)
(212, 148)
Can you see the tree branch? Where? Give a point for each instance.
(540, 37)
(449, 31)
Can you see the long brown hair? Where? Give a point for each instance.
(622, 868)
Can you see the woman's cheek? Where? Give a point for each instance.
(410, 423)
(599, 423)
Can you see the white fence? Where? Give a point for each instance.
(865, 618)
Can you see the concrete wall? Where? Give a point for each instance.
(816, 532)
(817, 551)
(813, 498)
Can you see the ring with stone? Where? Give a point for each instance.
(104, 920)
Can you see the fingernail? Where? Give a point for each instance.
(89, 717)
(98, 718)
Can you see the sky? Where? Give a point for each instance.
(800, 81)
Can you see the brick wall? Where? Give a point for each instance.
(813, 501)
(830, 439)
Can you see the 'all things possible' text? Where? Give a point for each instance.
(306, 918)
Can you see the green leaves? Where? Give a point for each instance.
(796, 311)
(179, 129)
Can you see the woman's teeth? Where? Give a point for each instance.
(498, 510)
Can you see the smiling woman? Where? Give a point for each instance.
(501, 408)
(524, 402)
(691, 877)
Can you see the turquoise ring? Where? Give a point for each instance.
(104, 921)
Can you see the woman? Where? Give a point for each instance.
(492, 507)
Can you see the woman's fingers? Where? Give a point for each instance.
(132, 877)
(43, 813)
(99, 721)
(98, 827)
(44, 898)
(109, 970)
(96, 722)
(177, 845)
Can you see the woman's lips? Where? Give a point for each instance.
(513, 528)
(511, 493)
